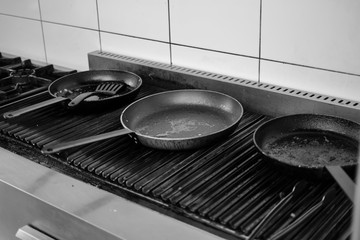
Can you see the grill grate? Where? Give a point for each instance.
(227, 186)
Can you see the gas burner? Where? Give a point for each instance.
(52, 73)
(18, 86)
(22, 72)
(26, 64)
(19, 79)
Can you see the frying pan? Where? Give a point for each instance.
(62, 90)
(311, 144)
(172, 120)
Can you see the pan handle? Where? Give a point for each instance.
(33, 107)
(344, 181)
(79, 98)
(53, 148)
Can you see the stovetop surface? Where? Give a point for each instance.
(227, 187)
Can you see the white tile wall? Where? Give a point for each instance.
(230, 26)
(20, 36)
(80, 13)
(68, 46)
(313, 80)
(135, 47)
(322, 33)
(318, 41)
(21, 8)
(140, 18)
(227, 64)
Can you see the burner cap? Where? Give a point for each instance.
(23, 72)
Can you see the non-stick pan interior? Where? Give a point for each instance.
(182, 114)
(88, 81)
(72, 85)
(309, 141)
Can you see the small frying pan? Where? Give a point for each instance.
(311, 144)
(68, 87)
(173, 120)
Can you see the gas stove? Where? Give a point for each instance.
(117, 189)
(20, 78)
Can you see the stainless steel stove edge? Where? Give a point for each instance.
(256, 97)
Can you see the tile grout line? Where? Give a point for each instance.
(310, 67)
(260, 25)
(42, 32)
(98, 22)
(170, 43)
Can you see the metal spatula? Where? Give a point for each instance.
(109, 89)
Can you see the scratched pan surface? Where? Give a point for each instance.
(309, 142)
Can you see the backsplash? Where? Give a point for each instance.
(307, 45)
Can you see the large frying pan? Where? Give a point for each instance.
(173, 120)
(68, 87)
(310, 144)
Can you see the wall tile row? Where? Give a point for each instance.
(323, 33)
(312, 80)
(79, 13)
(229, 26)
(227, 64)
(21, 37)
(306, 45)
(141, 18)
(69, 46)
(21, 8)
(135, 47)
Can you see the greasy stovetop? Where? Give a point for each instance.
(226, 187)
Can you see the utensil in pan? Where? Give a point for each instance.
(172, 120)
(68, 87)
(315, 145)
(109, 89)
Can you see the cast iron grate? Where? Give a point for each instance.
(227, 186)
(23, 78)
